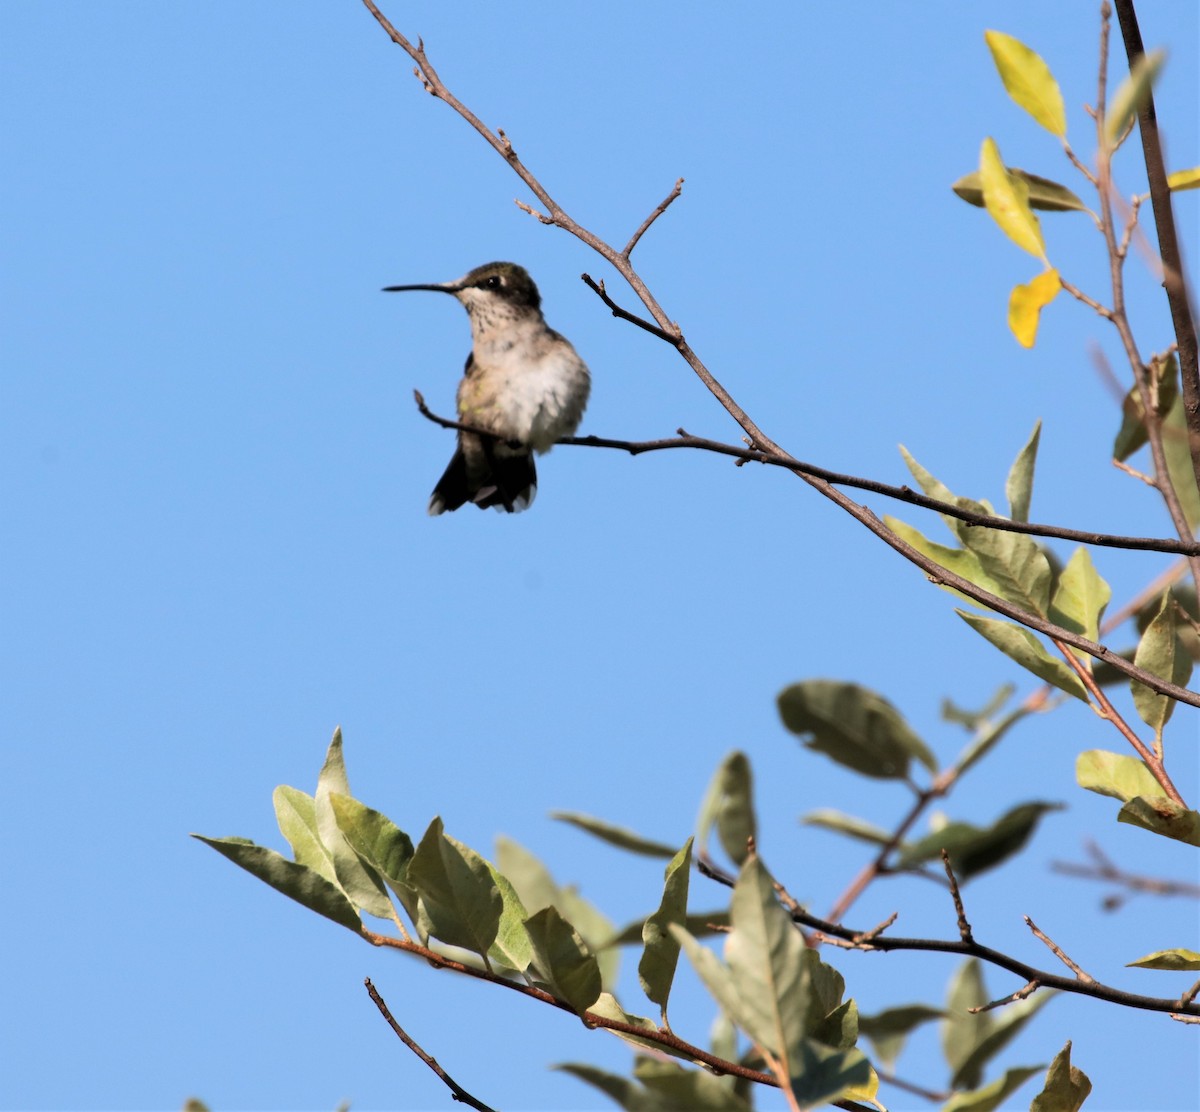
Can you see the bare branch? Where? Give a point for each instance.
(1106, 870)
(460, 1094)
(1028, 989)
(964, 928)
(1057, 951)
(645, 225)
(1182, 313)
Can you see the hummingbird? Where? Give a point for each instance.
(523, 382)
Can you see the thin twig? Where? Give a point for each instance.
(1026, 990)
(645, 225)
(1057, 951)
(1104, 869)
(964, 928)
(1106, 710)
(459, 1093)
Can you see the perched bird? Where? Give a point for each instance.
(523, 382)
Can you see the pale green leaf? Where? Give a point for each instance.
(889, 1029)
(457, 891)
(1066, 1087)
(1176, 961)
(360, 881)
(563, 960)
(512, 947)
(1080, 596)
(989, 735)
(1161, 653)
(829, 819)
(1007, 200)
(1179, 462)
(1162, 816)
(656, 970)
(729, 805)
(991, 1097)
(693, 1090)
(295, 812)
(960, 561)
(617, 836)
(1019, 485)
(377, 840)
(606, 1005)
(1018, 643)
(1132, 94)
(302, 884)
(1114, 774)
(1044, 194)
(1028, 81)
(854, 726)
(1016, 564)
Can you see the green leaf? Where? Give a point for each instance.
(864, 831)
(988, 737)
(889, 1029)
(1044, 194)
(606, 1005)
(773, 992)
(729, 805)
(1132, 434)
(360, 881)
(512, 947)
(970, 1041)
(973, 849)
(973, 719)
(617, 836)
(1132, 94)
(1162, 816)
(1080, 597)
(1114, 774)
(1016, 564)
(563, 960)
(699, 923)
(854, 726)
(687, 1089)
(935, 488)
(992, 1096)
(378, 841)
(656, 970)
(1021, 645)
(537, 889)
(1179, 462)
(764, 952)
(628, 1094)
(1019, 486)
(1161, 653)
(1007, 200)
(1066, 1087)
(302, 884)
(1028, 81)
(1176, 961)
(457, 892)
(960, 561)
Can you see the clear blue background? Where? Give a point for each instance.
(216, 548)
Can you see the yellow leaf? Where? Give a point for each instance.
(1184, 179)
(1006, 197)
(1026, 303)
(1028, 81)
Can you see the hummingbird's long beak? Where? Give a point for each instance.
(444, 287)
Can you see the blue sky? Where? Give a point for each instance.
(217, 549)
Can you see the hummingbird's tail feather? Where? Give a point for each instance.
(481, 474)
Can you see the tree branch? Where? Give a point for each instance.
(1168, 241)
(459, 1093)
(887, 943)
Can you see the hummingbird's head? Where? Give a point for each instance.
(494, 289)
